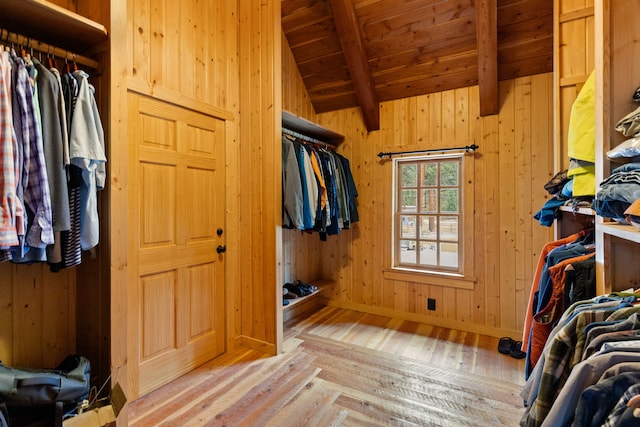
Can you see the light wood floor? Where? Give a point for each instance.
(344, 368)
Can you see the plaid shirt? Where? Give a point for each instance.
(8, 159)
(36, 184)
(558, 361)
(621, 406)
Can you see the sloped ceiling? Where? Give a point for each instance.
(357, 53)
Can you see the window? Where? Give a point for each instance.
(429, 214)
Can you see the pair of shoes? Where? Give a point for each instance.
(508, 346)
(288, 294)
(300, 288)
(292, 290)
(305, 288)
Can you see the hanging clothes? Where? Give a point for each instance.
(291, 187)
(86, 151)
(8, 160)
(319, 192)
(594, 340)
(53, 162)
(35, 182)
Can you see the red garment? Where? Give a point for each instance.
(545, 319)
(536, 281)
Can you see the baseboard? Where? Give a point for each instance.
(428, 320)
(258, 345)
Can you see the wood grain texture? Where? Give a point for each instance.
(342, 367)
(574, 61)
(416, 47)
(514, 161)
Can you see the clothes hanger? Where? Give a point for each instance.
(51, 62)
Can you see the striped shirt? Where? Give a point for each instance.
(8, 153)
(36, 184)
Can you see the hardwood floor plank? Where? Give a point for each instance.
(311, 407)
(164, 402)
(412, 388)
(254, 395)
(344, 368)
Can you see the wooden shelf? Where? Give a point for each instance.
(305, 127)
(580, 211)
(626, 232)
(51, 24)
(308, 304)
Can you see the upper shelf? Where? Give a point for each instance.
(580, 211)
(50, 23)
(305, 127)
(626, 232)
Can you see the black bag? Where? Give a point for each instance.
(24, 390)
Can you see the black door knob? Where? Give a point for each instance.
(220, 249)
(219, 231)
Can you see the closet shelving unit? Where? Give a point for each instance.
(617, 77)
(298, 126)
(50, 29)
(571, 221)
(52, 24)
(573, 33)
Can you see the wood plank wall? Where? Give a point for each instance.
(574, 44)
(514, 161)
(260, 181)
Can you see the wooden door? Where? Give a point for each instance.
(176, 233)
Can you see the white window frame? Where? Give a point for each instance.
(461, 277)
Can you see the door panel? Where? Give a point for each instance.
(177, 196)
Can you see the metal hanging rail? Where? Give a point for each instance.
(467, 148)
(306, 138)
(8, 37)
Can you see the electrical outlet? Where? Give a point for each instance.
(431, 304)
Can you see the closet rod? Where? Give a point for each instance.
(27, 42)
(466, 148)
(306, 138)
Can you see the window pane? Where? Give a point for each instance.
(449, 200)
(428, 254)
(449, 228)
(449, 173)
(409, 200)
(449, 255)
(428, 228)
(409, 175)
(408, 251)
(408, 226)
(429, 174)
(428, 231)
(429, 200)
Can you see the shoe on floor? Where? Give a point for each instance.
(505, 344)
(515, 351)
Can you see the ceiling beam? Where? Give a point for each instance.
(344, 17)
(487, 36)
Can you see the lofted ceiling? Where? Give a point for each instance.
(357, 53)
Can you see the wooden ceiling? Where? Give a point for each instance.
(357, 53)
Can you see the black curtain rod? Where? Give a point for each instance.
(466, 148)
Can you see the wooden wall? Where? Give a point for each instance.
(574, 61)
(260, 167)
(513, 163)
